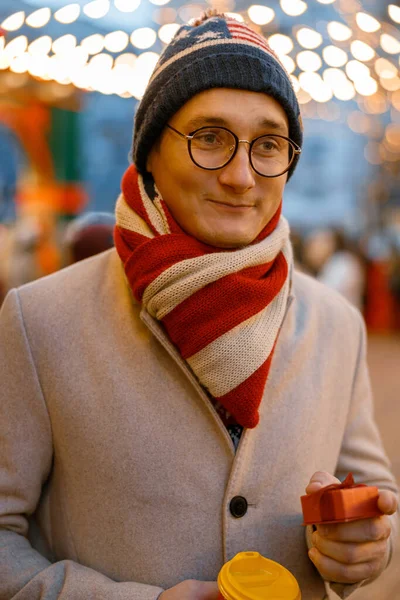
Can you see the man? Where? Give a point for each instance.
(166, 403)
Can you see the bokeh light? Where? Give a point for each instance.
(68, 14)
(127, 6)
(362, 51)
(167, 32)
(334, 57)
(367, 22)
(366, 87)
(293, 8)
(143, 38)
(93, 44)
(309, 38)
(16, 47)
(41, 45)
(39, 18)
(339, 31)
(13, 22)
(64, 44)
(390, 44)
(394, 12)
(261, 15)
(308, 60)
(281, 44)
(97, 9)
(116, 41)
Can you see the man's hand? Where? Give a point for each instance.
(353, 551)
(192, 590)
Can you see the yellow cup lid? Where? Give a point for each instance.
(250, 576)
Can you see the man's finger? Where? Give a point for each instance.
(350, 553)
(387, 502)
(320, 479)
(331, 570)
(361, 531)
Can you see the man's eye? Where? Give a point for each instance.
(208, 138)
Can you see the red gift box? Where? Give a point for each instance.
(341, 502)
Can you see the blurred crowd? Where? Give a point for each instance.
(365, 270)
(37, 244)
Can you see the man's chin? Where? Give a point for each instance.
(229, 240)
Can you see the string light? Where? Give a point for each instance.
(116, 41)
(20, 64)
(367, 23)
(159, 3)
(357, 70)
(39, 18)
(309, 38)
(97, 9)
(293, 8)
(143, 38)
(339, 31)
(260, 15)
(42, 45)
(93, 44)
(366, 87)
(167, 32)
(361, 51)
(68, 14)
(309, 80)
(334, 57)
(309, 61)
(13, 22)
(127, 6)
(143, 69)
(385, 69)
(288, 63)
(128, 59)
(4, 61)
(390, 44)
(394, 12)
(64, 44)
(390, 85)
(17, 46)
(281, 44)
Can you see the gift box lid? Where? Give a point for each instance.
(340, 502)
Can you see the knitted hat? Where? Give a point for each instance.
(215, 52)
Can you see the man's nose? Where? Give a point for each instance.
(238, 174)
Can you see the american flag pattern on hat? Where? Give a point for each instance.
(212, 32)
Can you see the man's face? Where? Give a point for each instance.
(229, 207)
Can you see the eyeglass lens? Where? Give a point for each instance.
(212, 148)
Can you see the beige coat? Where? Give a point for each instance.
(110, 443)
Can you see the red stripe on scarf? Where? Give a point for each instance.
(155, 256)
(197, 313)
(250, 392)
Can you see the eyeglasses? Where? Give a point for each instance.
(212, 148)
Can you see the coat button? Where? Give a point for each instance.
(238, 506)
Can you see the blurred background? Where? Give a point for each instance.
(71, 75)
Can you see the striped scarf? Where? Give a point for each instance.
(222, 309)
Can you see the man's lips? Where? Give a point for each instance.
(230, 205)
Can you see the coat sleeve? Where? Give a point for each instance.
(25, 463)
(362, 451)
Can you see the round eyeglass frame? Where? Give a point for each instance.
(191, 135)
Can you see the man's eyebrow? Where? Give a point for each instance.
(202, 120)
